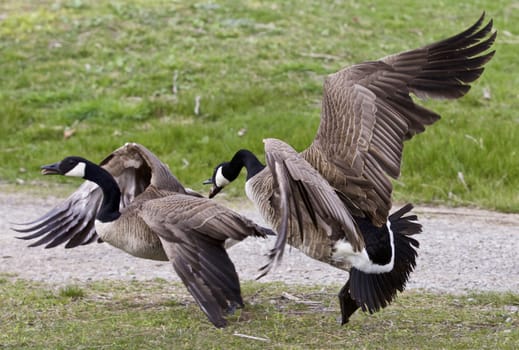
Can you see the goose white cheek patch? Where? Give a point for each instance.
(77, 171)
(219, 179)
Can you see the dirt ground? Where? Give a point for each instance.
(461, 250)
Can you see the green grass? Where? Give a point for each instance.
(73, 292)
(105, 69)
(161, 315)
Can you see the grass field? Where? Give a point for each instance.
(160, 315)
(83, 77)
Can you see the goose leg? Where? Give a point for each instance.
(232, 308)
(348, 305)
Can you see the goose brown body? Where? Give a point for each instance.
(134, 203)
(332, 200)
(316, 241)
(131, 233)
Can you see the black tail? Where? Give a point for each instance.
(405, 225)
(373, 291)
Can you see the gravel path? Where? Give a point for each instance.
(461, 250)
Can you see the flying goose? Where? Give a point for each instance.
(332, 200)
(134, 203)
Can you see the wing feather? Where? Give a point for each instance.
(368, 113)
(71, 222)
(304, 197)
(193, 231)
(60, 224)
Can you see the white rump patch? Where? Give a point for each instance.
(78, 170)
(360, 260)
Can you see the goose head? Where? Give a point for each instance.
(219, 179)
(69, 166)
(227, 172)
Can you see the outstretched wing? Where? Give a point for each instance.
(71, 221)
(367, 113)
(305, 197)
(134, 168)
(193, 231)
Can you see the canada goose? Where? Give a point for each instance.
(134, 203)
(332, 200)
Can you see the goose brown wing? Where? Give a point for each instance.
(134, 168)
(367, 113)
(193, 231)
(305, 196)
(71, 221)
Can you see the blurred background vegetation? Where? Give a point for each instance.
(83, 77)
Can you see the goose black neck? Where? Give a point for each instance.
(243, 158)
(109, 210)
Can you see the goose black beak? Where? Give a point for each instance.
(214, 191)
(51, 169)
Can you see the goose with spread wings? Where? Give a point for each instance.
(133, 202)
(332, 200)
